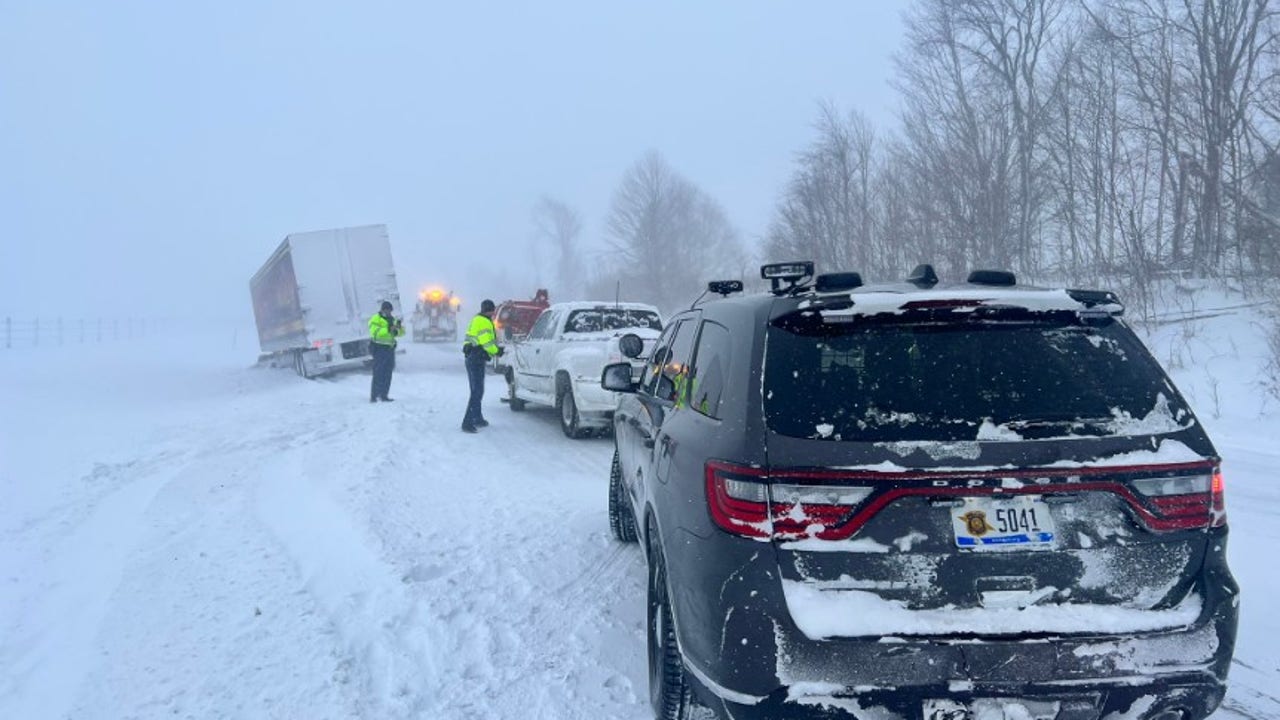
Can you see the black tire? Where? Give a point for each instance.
(516, 403)
(300, 365)
(570, 420)
(669, 692)
(622, 518)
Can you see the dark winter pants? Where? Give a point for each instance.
(384, 362)
(475, 376)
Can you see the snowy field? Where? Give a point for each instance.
(182, 536)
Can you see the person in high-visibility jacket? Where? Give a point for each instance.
(480, 344)
(384, 328)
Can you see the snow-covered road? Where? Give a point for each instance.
(189, 538)
(265, 547)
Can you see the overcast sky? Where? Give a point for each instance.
(152, 154)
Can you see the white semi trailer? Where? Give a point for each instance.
(313, 297)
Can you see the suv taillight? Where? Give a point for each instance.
(742, 502)
(1218, 514)
(1184, 502)
(801, 504)
(738, 499)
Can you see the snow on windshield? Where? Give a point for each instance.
(604, 319)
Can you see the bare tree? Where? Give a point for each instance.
(560, 227)
(667, 236)
(1228, 37)
(827, 210)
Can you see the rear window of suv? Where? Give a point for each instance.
(604, 319)
(899, 380)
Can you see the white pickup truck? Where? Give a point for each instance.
(560, 361)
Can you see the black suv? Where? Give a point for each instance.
(910, 501)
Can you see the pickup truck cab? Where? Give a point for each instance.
(559, 363)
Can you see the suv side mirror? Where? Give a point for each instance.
(617, 377)
(631, 345)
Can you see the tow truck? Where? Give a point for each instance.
(435, 317)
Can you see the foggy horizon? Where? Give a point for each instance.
(157, 155)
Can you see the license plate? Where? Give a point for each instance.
(1022, 522)
(991, 708)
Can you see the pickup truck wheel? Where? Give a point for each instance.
(622, 519)
(570, 421)
(517, 405)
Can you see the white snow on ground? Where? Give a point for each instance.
(182, 536)
(204, 540)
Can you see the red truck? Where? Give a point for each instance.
(513, 319)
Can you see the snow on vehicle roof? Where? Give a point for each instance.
(601, 305)
(873, 301)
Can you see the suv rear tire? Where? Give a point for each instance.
(669, 692)
(622, 519)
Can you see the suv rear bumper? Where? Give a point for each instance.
(1196, 695)
(844, 677)
(1121, 678)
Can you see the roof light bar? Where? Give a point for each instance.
(724, 287)
(788, 271)
(792, 273)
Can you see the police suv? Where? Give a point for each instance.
(914, 501)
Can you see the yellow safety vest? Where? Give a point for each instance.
(482, 334)
(380, 331)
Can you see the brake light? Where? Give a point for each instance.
(1183, 502)
(1218, 515)
(738, 500)
(797, 504)
(743, 502)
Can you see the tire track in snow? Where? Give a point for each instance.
(382, 630)
(74, 582)
(500, 538)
